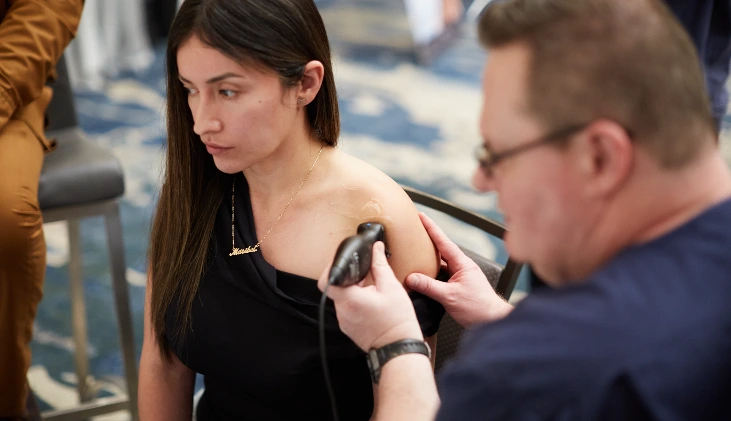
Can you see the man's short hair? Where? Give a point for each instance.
(629, 61)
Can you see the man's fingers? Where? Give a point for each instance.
(428, 286)
(450, 252)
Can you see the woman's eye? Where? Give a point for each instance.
(191, 91)
(227, 93)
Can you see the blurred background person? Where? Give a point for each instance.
(33, 35)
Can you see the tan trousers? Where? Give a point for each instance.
(22, 259)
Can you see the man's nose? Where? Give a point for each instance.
(205, 121)
(482, 182)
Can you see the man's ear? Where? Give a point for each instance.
(605, 157)
(312, 79)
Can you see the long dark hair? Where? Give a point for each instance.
(279, 35)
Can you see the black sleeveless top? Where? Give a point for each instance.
(255, 336)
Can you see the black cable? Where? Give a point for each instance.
(323, 355)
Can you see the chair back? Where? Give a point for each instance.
(502, 278)
(61, 111)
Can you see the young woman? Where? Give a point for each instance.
(255, 200)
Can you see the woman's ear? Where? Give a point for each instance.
(311, 81)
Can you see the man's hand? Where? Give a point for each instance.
(468, 297)
(376, 311)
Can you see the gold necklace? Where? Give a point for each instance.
(253, 249)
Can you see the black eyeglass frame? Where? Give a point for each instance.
(488, 159)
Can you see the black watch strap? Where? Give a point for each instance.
(378, 357)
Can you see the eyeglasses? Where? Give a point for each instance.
(488, 158)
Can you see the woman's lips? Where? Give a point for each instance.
(216, 149)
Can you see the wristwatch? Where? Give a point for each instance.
(376, 358)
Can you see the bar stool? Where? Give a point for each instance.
(82, 179)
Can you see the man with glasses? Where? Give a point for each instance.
(601, 145)
(708, 22)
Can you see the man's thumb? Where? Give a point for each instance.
(426, 285)
(379, 264)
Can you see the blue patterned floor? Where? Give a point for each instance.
(417, 124)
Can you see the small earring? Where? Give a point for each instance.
(300, 101)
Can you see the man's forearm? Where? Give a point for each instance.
(407, 390)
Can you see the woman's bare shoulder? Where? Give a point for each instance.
(372, 196)
(366, 180)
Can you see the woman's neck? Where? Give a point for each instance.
(282, 172)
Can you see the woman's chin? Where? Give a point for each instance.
(226, 166)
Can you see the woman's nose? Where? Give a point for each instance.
(205, 120)
(207, 126)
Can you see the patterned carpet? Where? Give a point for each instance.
(416, 123)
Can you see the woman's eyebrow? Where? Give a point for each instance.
(215, 78)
